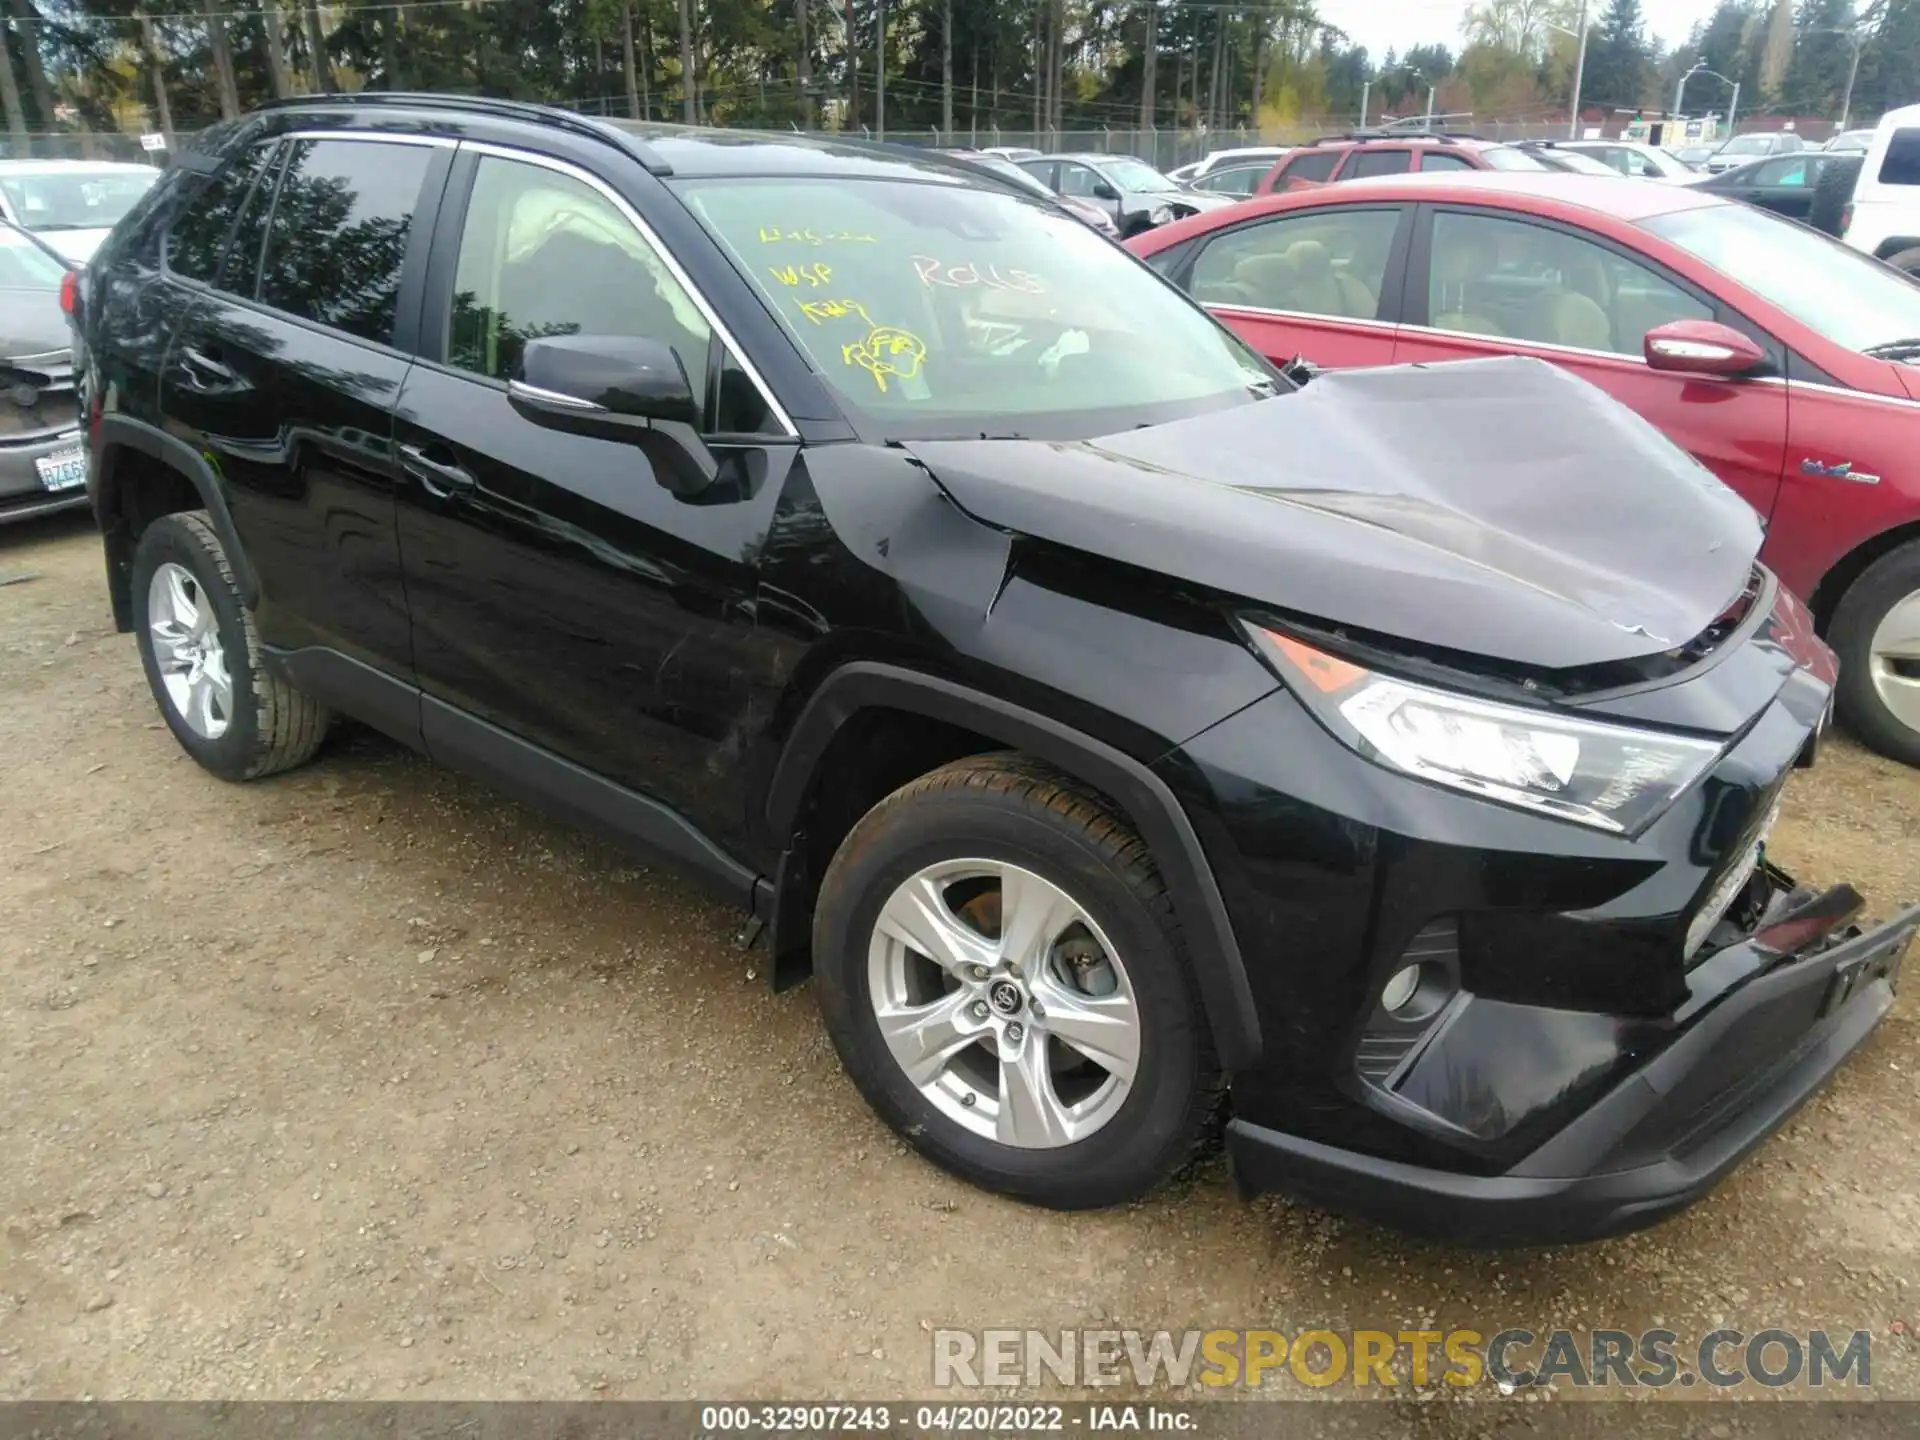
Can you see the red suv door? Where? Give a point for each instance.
(1317, 283)
(1508, 284)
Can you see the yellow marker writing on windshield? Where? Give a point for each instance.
(887, 350)
(812, 276)
(822, 310)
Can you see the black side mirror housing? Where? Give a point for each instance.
(618, 387)
(612, 375)
(1103, 191)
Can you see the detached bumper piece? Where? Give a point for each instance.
(1653, 1142)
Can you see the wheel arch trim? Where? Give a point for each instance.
(176, 455)
(1220, 970)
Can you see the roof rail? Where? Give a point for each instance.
(483, 105)
(1439, 137)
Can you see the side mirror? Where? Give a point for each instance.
(1103, 191)
(613, 376)
(1701, 347)
(616, 387)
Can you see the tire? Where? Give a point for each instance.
(1907, 261)
(260, 725)
(1025, 822)
(1832, 189)
(1890, 584)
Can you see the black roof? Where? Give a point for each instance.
(677, 150)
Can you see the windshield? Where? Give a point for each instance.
(1502, 157)
(75, 200)
(1859, 303)
(940, 310)
(25, 266)
(1852, 140)
(1748, 145)
(1574, 161)
(1131, 174)
(1001, 166)
(1693, 154)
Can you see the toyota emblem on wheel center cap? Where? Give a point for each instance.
(1004, 996)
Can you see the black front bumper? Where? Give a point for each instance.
(1654, 1143)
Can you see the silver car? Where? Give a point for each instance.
(71, 204)
(43, 465)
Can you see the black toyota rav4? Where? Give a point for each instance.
(1124, 738)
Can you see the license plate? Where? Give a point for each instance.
(64, 469)
(1875, 955)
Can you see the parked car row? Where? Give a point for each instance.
(1129, 740)
(1771, 354)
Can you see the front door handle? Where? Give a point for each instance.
(440, 477)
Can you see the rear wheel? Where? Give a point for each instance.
(202, 657)
(1001, 971)
(1876, 633)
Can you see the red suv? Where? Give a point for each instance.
(1365, 155)
(1783, 361)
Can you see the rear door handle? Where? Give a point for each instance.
(204, 369)
(440, 477)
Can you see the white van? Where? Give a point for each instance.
(1883, 218)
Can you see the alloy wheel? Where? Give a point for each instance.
(185, 634)
(1895, 652)
(1003, 1003)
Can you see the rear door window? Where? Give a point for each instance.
(1440, 161)
(338, 237)
(1322, 262)
(1901, 164)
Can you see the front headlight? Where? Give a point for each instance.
(1612, 777)
(1160, 214)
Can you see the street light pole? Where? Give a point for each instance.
(880, 68)
(1366, 90)
(1680, 90)
(1846, 101)
(1579, 75)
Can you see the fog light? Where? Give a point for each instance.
(1399, 989)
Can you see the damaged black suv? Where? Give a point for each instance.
(1124, 739)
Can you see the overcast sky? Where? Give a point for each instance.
(1378, 24)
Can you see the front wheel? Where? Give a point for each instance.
(1876, 633)
(1001, 971)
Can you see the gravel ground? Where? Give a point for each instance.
(365, 1082)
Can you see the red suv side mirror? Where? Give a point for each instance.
(1701, 347)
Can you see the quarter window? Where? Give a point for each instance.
(541, 254)
(1325, 262)
(1533, 284)
(338, 237)
(1901, 164)
(198, 237)
(1317, 165)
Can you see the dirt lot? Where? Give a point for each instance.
(364, 1082)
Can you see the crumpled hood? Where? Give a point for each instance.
(1499, 507)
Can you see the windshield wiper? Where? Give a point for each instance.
(1894, 349)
